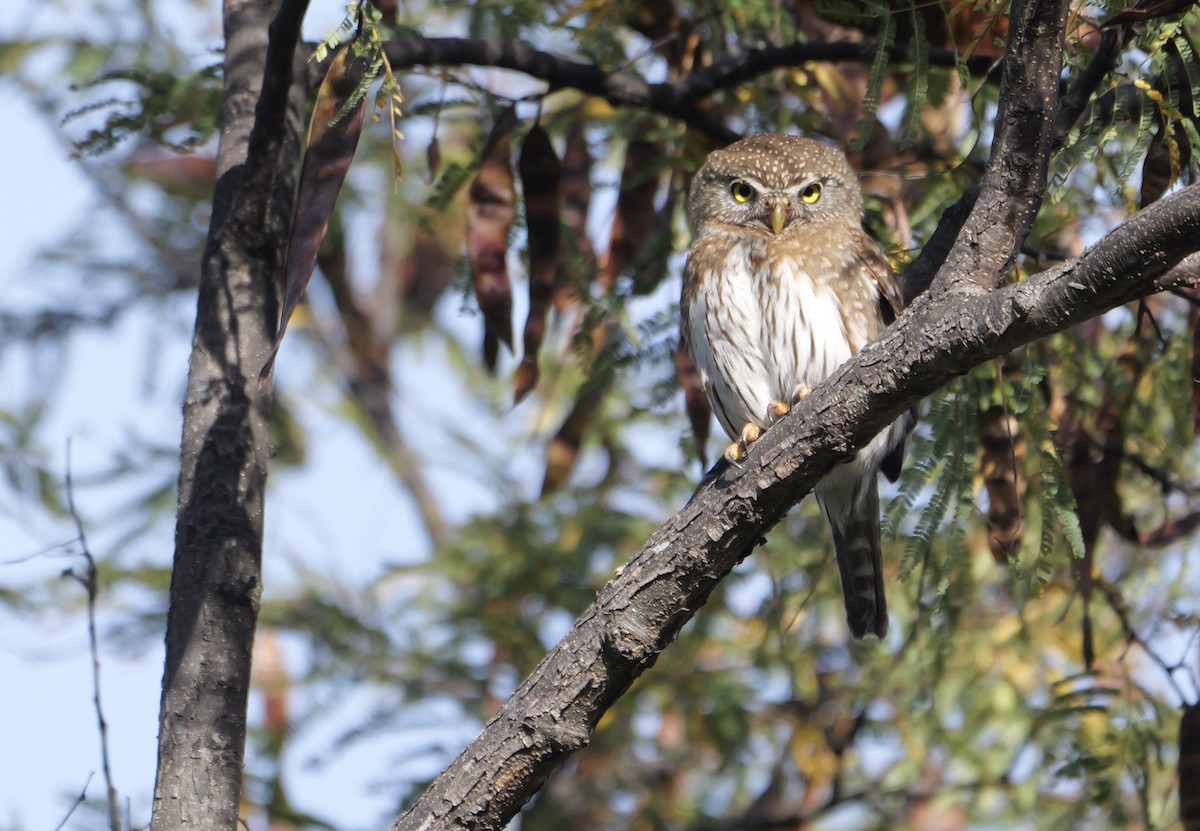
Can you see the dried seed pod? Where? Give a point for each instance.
(433, 157)
(1002, 465)
(1194, 322)
(563, 449)
(491, 210)
(541, 183)
(327, 157)
(576, 199)
(634, 221)
(695, 401)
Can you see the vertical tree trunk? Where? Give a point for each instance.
(216, 582)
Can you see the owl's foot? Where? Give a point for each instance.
(735, 452)
(778, 409)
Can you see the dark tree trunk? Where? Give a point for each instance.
(216, 582)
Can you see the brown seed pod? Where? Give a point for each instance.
(491, 210)
(541, 182)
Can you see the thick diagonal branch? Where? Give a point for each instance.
(641, 611)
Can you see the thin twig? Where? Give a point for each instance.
(90, 583)
(1116, 603)
(79, 800)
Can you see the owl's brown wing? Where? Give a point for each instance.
(891, 303)
(891, 299)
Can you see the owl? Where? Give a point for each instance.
(782, 285)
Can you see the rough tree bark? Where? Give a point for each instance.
(215, 584)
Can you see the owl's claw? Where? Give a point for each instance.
(778, 409)
(735, 452)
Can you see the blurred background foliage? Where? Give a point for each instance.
(1043, 604)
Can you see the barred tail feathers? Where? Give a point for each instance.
(851, 506)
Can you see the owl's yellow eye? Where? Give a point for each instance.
(742, 191)
(811, 193)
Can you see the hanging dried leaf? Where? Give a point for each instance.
(333, 133)
(491, 210)
(576, 197)
(695, 401)
(541, 183)
(634, 221)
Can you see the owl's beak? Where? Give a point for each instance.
(779, 216)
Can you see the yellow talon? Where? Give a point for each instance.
(735, 452)
(778, 409)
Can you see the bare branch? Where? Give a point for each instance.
(1105, 59)
(79, 800)
(1074, 103)
(1117, 604)
(623, 87)
(1014, 181)
(91, 584)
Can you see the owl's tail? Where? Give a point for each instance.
(851, 506)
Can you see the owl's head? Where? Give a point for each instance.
(770, 183)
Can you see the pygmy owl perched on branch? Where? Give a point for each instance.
(783, 285)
